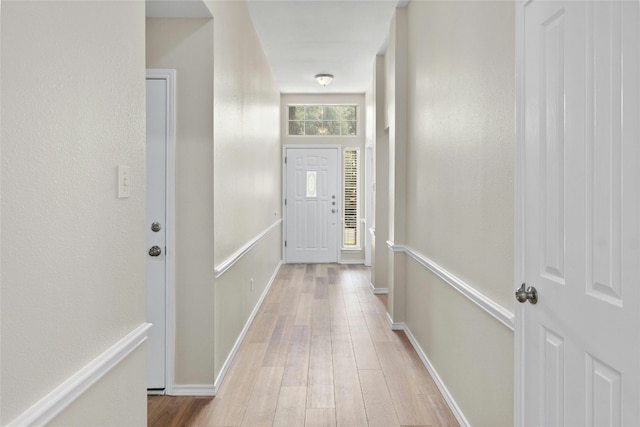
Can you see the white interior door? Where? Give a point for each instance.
(156, 227)
(312, 205)
(581, 341)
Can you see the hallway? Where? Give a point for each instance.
(319, 353)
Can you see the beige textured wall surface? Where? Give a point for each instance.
(247, 156)
(73, 254)
(470, 350)
(104, 404)
(462, 132)
(380, 274)
(236, 300)
(186, 45)
(247, 169)
(459, 195)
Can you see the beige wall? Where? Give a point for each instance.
(346, 142)
(247, 169)
(380, 259)
(73, 254)
(459, 196)
(186, 45)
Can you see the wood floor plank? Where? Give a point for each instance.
(377, 400)
(261, 407)
(320, 317)
(411, 407)
(305, 309)
(291, 408)
(262, 326)
(278, 349)
(348, 395)
(320, 418)
(297, 366)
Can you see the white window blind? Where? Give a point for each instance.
(350, 223)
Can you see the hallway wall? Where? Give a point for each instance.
(459, 199)
(186, 45)
(73, 253)
(246, 182)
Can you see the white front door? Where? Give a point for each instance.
(581, 125)
(156, 227)
(312, 205)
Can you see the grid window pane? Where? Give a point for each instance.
(323, 120)
(296, 112)
(296, 128)
(312, 128)
(313, 112)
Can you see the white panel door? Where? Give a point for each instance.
(156, 230)
(312, 205)
(582, 213)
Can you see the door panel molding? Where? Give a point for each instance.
(285, 147)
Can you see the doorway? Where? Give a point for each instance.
(312, 205)
(159, 227)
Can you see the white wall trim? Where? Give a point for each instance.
(62, 396)
(394, 326)
(457, 412)
(236, 346)
(497, 311)
(226, 264)
(351, 261)
(194, 390)
(378, 291)
(394, 247)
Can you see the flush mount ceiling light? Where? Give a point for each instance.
(324, 79)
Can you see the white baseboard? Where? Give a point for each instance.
(194, 390)
(351, 261)
(379, 291)
(395, 326)
(66, 393)
(457, 412)
(232, 354)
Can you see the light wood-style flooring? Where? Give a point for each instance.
(319, 353)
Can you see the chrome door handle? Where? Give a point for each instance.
(530, 294)
(155, 251)
(333, 211)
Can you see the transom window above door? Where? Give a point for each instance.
(323, 120)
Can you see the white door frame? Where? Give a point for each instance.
(337, 147)
(170, 77)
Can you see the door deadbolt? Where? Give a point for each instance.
(156, 227)
(530, 294)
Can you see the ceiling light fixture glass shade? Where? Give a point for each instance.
(324, 79)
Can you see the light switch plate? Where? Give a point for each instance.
(124, 182)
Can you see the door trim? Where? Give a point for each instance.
(337, 147)
(519, 219)
(170, 77)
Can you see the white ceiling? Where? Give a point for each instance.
(303, 38)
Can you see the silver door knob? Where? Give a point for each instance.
(155, 251)
(530, 294)
(333, 211)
